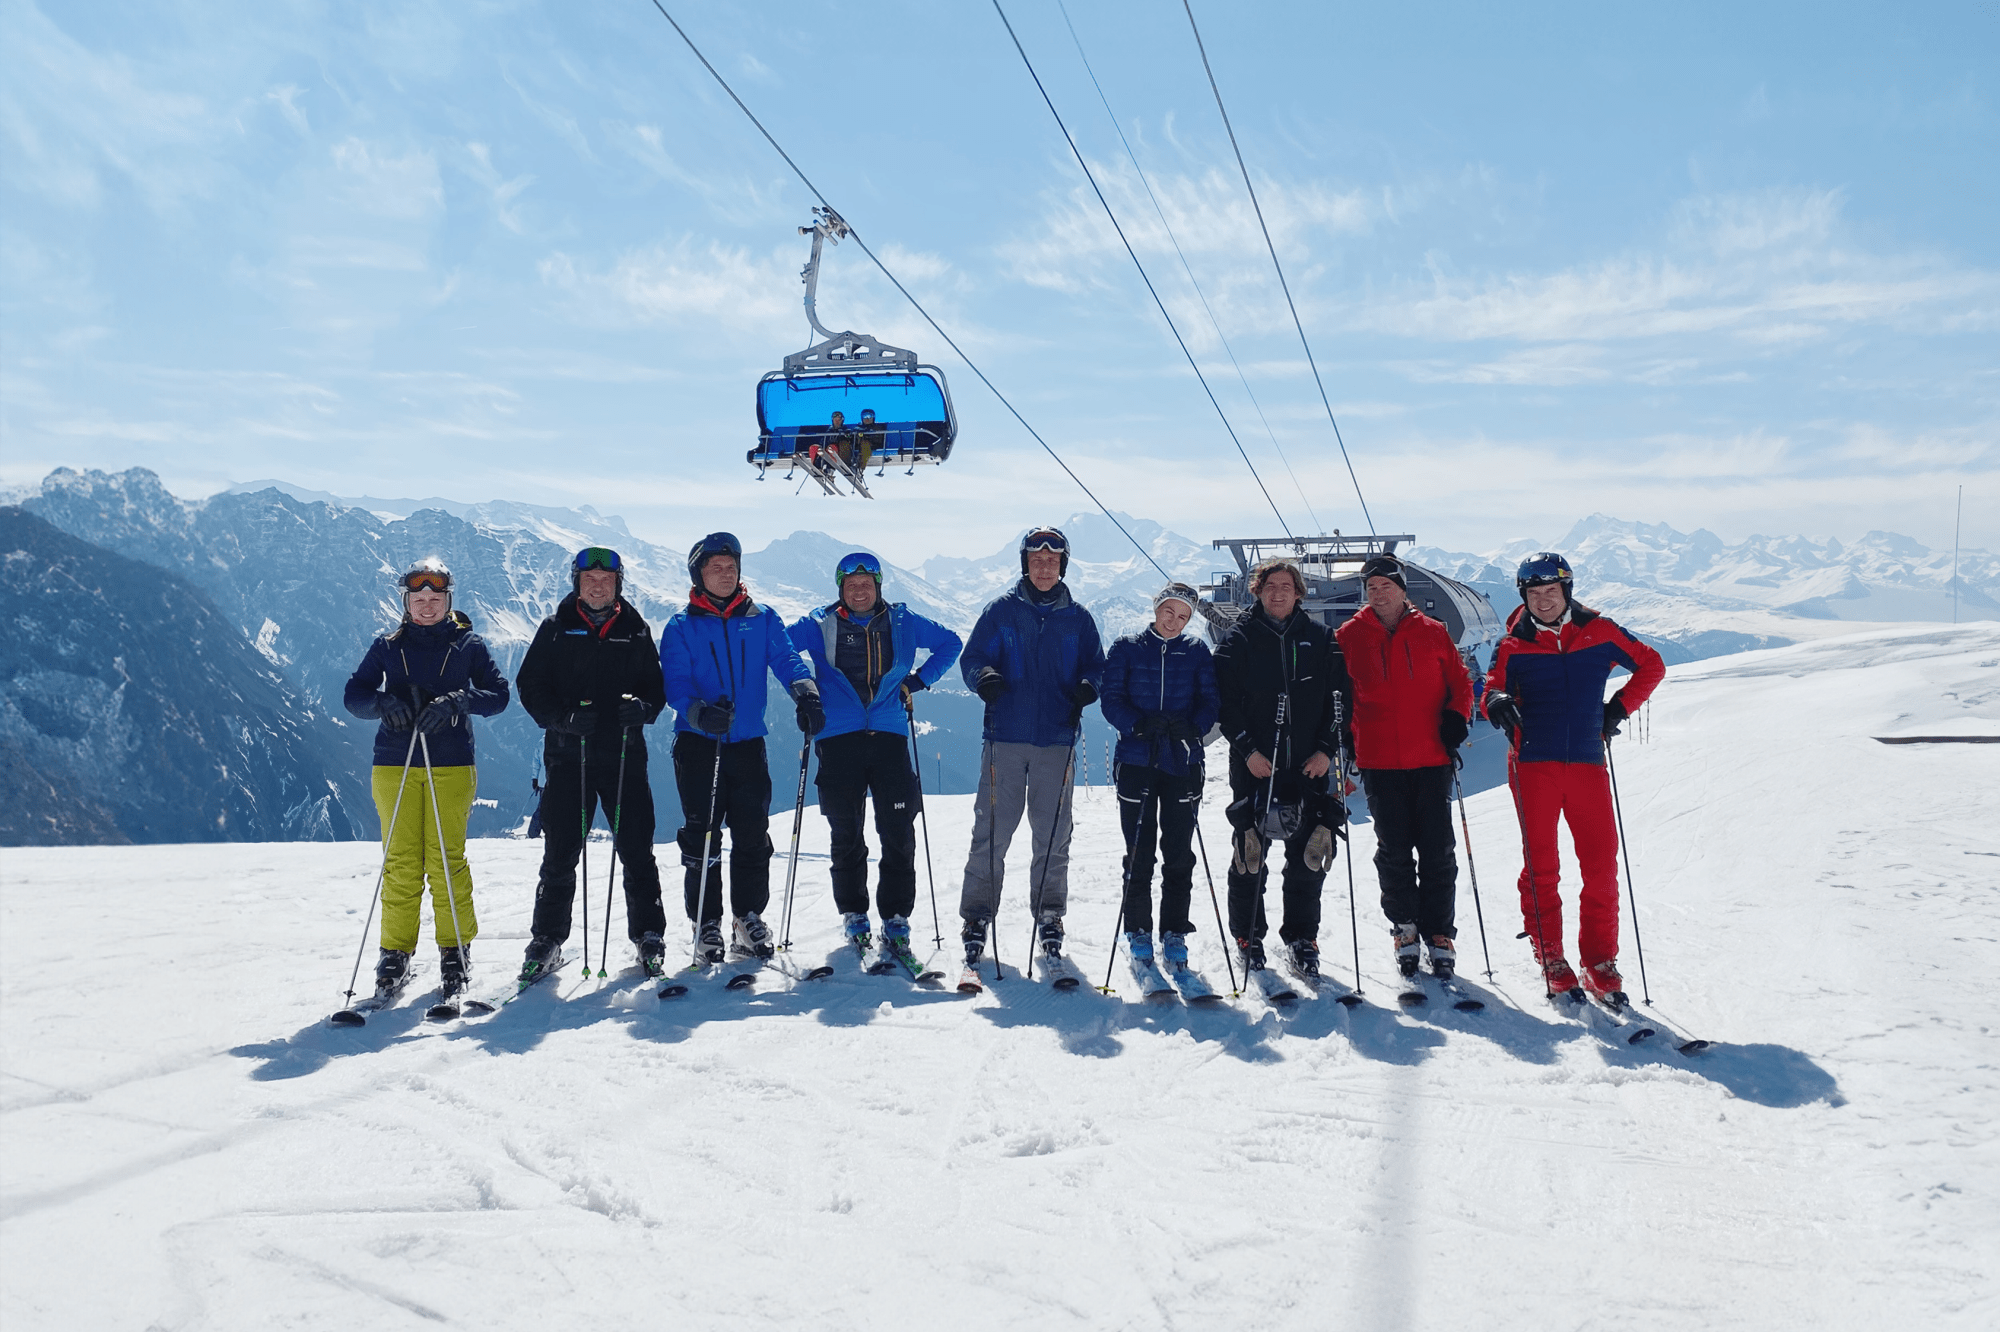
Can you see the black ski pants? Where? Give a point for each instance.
(575, 788)
(1412, 812)
(1156, 806)
(1300, 884)
(851, 767)
(742, 796)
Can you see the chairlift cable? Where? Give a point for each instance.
(855, 236)
(1189, 269)
(1296, 322)
(1143, 277)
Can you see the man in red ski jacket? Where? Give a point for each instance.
(1546, 691)
(1412, 707)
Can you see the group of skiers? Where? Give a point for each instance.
(1386, 695)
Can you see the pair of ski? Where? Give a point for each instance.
(1157, 982)
(1414, 991)
(1280, 993)
(741, 967)
(1613, 1018)
(443, 1010)
(1058, 971)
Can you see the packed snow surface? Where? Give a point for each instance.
(188, 1144)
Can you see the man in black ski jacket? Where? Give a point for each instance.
(1277, 653)
(591, 680)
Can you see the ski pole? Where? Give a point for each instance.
(1631, 894)
(611, 876)
(584, 821)
(1235, 991)
(1049, 854)
(992, 864)
(798, 819)
(382, 873)
(1132, 845)
(1340, 789)
(1528, 864)
(444, 856)
(1472, 866)
(917, 767)
(709, 834)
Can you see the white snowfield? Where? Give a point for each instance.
(188, 1144)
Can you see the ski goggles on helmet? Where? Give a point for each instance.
(427, 580)
(1541, 570)
(860, 562)
(598, 557)
(716, 543)
(1043, 539)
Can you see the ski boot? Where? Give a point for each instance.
(1409, 949)
(392, 973)
(973, 937)
(709, 950)
(454, 971)
(1305, 960)
(855, 925)
(896, 942)
(1140, 945)
(1444, 957)
(1603, 983)
(543, 955)
(1252, 953)
(1173, 947)
(1557, 978)
(1050, 935)
(653, 954)
(753, 936)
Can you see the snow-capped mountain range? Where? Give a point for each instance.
(308, 577)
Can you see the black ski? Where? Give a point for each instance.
(356, 1015)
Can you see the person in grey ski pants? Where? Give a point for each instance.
(1030, 779)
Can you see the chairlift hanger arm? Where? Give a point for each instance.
(826, 224)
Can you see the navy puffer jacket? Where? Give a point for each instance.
(1144, 674)
(1043, 649)
(423, 662)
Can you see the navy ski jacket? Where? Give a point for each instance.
(1557, 678)
(846, 710)
(1143, 674)
(1042, 651)
(424, 662)
(710, 655)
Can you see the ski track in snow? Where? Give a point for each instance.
(187, 1144)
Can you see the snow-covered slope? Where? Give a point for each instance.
(188, 1145)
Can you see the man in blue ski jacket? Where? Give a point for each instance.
(1036, 661)
(864, 652)
(714, 655)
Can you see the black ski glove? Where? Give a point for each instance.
(811, 715)
(633, 712)
(395, 711)
(1504, 712)
(1150, 725)
(1182, 729)
(1452, 729)
(714, 718)
(1614, 717)
(913, 684)
(990, 684)
(1081, 695)
(579, 722)
(443, 711)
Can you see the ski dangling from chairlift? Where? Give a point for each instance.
(849, 403)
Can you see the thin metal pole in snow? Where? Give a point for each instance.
(1956, 523)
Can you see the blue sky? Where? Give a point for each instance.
(1712, 265)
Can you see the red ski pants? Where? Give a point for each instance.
(1580, 793)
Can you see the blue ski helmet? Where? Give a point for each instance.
(1542, 568)
(715, 543)
(857, 562)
